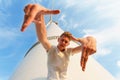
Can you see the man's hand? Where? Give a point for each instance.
(33, 10)
(89, 47)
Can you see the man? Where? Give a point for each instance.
(58, 56)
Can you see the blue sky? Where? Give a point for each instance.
(99, 18)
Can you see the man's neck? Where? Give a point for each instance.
(61, 49)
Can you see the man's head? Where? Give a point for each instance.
(66, 34)
(64, 40)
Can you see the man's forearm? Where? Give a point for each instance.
(80, 40)
(41, 29)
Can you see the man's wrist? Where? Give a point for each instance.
(80, 40)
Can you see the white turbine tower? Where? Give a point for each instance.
(34, 64)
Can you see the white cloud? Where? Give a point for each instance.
(7, 33)
(70, 3)
(108, 34)
(103, 51)
(118, 76)
(8, 56)
(36, 1)
(62, 20)
(102, 10)
(93, 12)
(4, 4)
(104, 37)
(7, 36)
(108, 8)
(79, 4)
(4, 77)
(118, 63)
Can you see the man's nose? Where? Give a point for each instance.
(64, 42)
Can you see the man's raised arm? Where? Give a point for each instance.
(35, 13)
(88, 48)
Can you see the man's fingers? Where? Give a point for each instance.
(36, 21)
(50, 12)
(82, 61)
(23, 27)
(30, 13)
(85, 61)
(26, 22)
(84, 58)
(27, 9)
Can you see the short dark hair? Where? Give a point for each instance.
(67, 34)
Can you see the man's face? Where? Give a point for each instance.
(63, 41)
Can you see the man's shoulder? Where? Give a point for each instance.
(53, 47)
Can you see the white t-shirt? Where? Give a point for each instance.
(58, 63)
